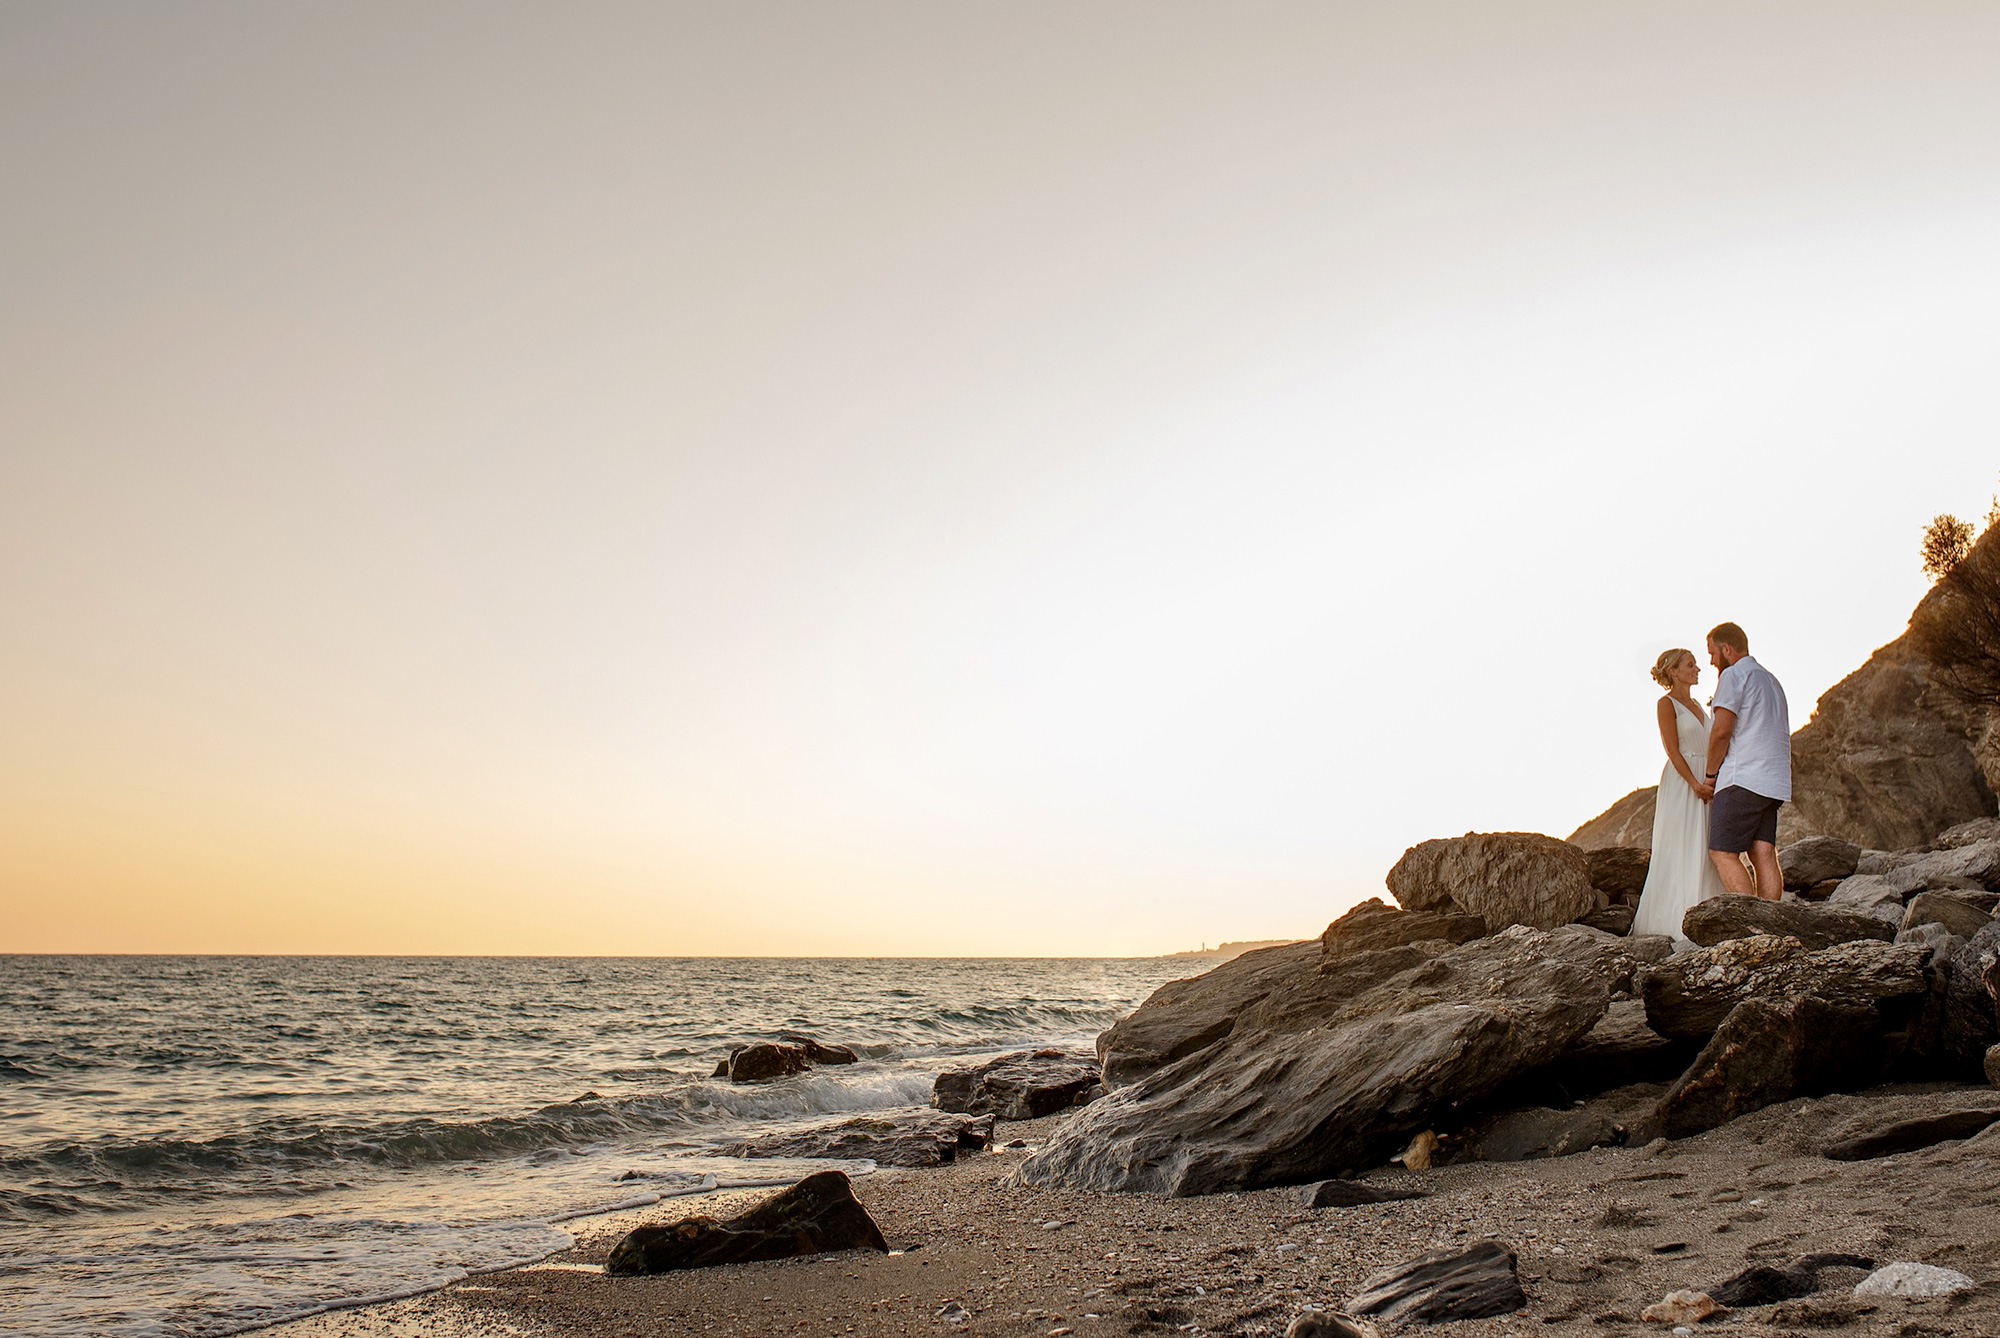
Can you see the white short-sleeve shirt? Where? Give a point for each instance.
(1760, 751)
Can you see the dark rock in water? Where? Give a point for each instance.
(1024, 1085)
(1354, 1194)
(1771, 1050)
(1720, 919)
(1612, 919)
(1473, 1283)
(817, 1215)
(1184, 1016)
(914, 1137)
(1816, 859)
(1910, 1135)
(1942, 908)
(1375, 925)
(1539, 1132)
(1505, 878)
(1619, 872)
(818, 1052)
(1690, 994)
(754, 1063)
(1298, 1093)
(1765, 1285)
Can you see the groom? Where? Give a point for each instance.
(1749, 766)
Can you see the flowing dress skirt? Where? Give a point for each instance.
(1680, 875)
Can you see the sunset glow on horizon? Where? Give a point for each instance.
(887, 479)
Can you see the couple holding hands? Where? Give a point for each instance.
(1728, 771)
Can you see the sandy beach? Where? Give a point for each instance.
(1600, 1235)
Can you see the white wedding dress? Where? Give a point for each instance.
(1681, 874)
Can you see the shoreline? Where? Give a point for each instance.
(1599, 1235)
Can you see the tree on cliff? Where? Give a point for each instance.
(1957, 627)
(1947, 540)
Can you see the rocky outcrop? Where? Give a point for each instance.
(1888, 759)
(1629, 822)
(1691, 994)
(1505, 878)
(1720, 919)
(1024, 1085)
(1816, 859)
(1958, 917)
(1308, 1093)
(817, 1215)
(1619, 872)
(1619, 1051)
(915, 1137)
(1184, 1016)
(1771, 1050)
(1374, 925)
(1473, 1283)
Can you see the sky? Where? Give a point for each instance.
(933, 479)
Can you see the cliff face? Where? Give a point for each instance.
(1887, 761)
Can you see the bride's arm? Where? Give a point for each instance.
(1670, 739)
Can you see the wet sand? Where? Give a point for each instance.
(1600, 1235)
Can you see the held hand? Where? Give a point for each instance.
(1704, 791)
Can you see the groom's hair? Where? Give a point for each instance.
(1729, 634)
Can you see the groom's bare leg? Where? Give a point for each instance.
(1735, 878)
(1764, 859)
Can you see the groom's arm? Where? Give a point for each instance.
(1718, 739)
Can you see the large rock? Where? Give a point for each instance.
(1476, 1282)
(1941, 908)
(1816, 859)
(1974, 864)
(818, 1051)
(1720, 919)
(1771, 1050)
(1878, 893)
(1374, 925)
(1619, 872)
(1184, 1016)
(1628, 823)
(762, 1061)
(1024, 1085)
(914, 1137)
(1979, 829)
(1891, 1140)
(1300, 1093)
(1690, 995)
(1967, 1025)
(1505, 878)
(1888, 758)
(817, 1215)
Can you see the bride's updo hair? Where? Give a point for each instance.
(1663, 668)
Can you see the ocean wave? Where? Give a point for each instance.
(692, 1108)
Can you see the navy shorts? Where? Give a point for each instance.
(1737, 817)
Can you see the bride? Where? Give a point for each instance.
(1681, 873)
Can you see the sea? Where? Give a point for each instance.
(209, 1145)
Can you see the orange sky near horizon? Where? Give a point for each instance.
(890, 479)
